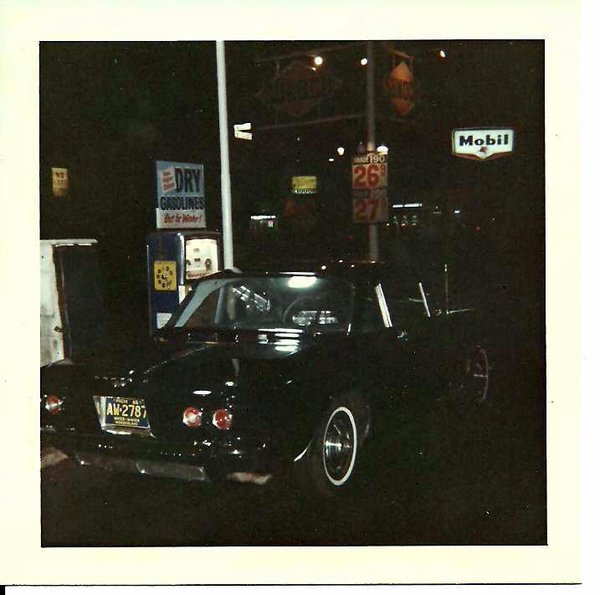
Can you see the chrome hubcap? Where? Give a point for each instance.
(479, 374)
(339, 446)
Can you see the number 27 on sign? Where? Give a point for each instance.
(369, 210)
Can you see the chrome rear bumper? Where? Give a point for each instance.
(142, 466)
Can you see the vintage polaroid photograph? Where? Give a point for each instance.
(378, 353)
(296, 305)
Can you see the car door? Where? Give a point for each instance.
(376, 343)
(414, 325)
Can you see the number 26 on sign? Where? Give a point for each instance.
(372, 175)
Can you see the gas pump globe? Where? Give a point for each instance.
(176, 259)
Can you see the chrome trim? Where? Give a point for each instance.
(301, 454)
(383, 307)
(143, 466)
(424, 297)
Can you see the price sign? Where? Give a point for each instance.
(369, 188)
(369, 175)
(371, 209)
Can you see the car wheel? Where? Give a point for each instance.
(329, 463)
(475, 386)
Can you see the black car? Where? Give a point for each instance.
(259, 373)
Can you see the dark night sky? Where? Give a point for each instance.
(108, 111)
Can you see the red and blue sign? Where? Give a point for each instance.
(180, 200)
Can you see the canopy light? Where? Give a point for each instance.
(301, 282)
(382, 149)
(318, 60)
(442, 54)
(408, 205)
(341, 151)
(331, 159)
(364, 62)
(263, 217)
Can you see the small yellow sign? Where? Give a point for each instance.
(165, 277)
(60, 181)
(304, 184)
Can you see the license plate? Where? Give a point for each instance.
(122, 413)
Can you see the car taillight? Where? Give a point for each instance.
(192, 417)
(222, 419)
(53, 404)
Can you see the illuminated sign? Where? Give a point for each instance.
(369, 187)
(201, 257)
(482, 143)
(180, 201)
(304, 185)
(369, 171)
(243, 131)
(400, 87)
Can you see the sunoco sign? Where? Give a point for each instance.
(482, 143)
(400, 88)
(298, 89)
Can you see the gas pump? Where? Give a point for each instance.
(176, 259)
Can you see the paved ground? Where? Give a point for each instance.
(51, 456)
(445, 478)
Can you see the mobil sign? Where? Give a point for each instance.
(482, 143)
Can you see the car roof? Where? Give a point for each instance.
(351, 270)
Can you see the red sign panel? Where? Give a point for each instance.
(369, 171)
(372, 209)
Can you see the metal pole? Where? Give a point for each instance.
(373, 239)
(225, 176)
(446, 287)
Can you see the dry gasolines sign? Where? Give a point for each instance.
(180, 201)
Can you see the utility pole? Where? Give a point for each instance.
(373, 238)
(224, 143)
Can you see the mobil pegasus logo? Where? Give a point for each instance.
(482, 143)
